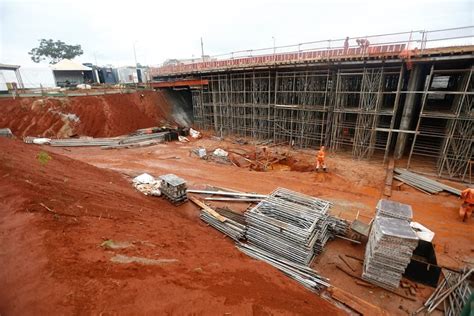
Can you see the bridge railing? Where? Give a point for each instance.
(361, 46)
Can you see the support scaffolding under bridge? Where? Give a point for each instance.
(418, 109)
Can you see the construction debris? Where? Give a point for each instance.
(6, 132)
(292, 225)
(194, 134)
(147, 184)
(388, 252)
(454, 292)
(173, 188)
(423, 184)
(200, 152)
(356, 303)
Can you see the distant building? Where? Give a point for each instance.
(69, 73)
(175, 62)
(131, 74)
(10, 77)
(107, 75)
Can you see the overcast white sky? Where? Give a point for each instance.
(107, 30)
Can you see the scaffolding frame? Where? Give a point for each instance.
(446, 133)
(355, 108)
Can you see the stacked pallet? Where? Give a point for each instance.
(389, 251)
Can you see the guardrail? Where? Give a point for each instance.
(361, 46)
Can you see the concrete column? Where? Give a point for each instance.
(414, 84)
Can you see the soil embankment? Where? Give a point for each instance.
(96, 116)
(54, 216)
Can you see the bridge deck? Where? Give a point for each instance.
(379, 52)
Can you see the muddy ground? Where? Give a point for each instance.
(56, 216)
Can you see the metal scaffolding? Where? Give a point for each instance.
(445, 127)
(354, 108)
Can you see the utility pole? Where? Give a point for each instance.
(202, 50)
(135, 53)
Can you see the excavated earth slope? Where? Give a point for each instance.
(56, 213)
(96, 116)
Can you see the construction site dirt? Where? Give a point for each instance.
(77, 238)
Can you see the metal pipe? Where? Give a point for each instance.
(228, 193)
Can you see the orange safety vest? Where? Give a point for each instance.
(321, 155)
(468, 196)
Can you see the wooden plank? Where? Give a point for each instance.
(359, 305)
(387, 191)
(207, 209)
(347, 263)
(360, 278)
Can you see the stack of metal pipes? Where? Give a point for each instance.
(423, 184)
(453, 292)
(107, 142)
(82, 142)
(301, 273)
(229, 227)
(290, 225)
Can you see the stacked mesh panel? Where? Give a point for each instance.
(389, 251)
(394, 209)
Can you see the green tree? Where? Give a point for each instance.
(54, 51)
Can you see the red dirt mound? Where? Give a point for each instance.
(55, 214)
(97, 116)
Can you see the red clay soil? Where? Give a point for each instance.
(99, 116)
(353, 186)
(54, 217)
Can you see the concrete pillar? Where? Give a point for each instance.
(414, 84)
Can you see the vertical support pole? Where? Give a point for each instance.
(425, 96)
(394, 111)
(450, 138)
(274, 106)
(414, 85)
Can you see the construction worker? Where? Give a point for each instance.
(465, 211)
(320, 156)
(346, 45)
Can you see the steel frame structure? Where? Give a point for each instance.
(354, 108)
(445, 130)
